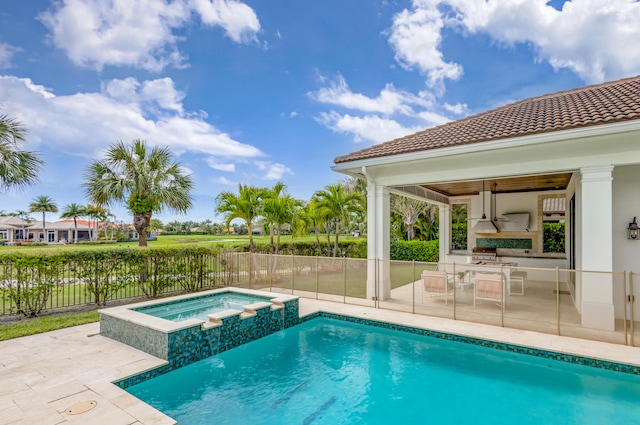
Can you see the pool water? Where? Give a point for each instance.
(327, 371)
(200, 307)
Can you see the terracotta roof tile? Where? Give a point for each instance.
(605, 103)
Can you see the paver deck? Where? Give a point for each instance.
(42, 376)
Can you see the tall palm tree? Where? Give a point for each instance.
(146, 181)
(338, 205)
(244, 205)
(271, 208)
(43, 204)
(74, 211)
(18, 168)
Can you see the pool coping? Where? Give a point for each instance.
(129, 314)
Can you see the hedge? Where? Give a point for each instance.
(415, 250)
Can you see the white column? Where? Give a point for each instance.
(378, 234)
(444, 226)
(597, 247)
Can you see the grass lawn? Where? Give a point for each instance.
(169, 240)
(36, 325)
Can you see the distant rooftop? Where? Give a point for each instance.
(553, 206)
(606, 103)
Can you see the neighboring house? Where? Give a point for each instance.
(581, 145)
(16, 230)
(13, 228)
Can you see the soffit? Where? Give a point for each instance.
(557, 181)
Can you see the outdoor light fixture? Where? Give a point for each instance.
(632, 230)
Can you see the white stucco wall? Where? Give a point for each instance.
(626, 253)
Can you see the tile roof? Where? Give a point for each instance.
(553, 205)
(605, 103)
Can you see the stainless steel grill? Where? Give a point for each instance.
(484, 255)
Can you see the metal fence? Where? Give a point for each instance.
(30, 285)
(536, 299)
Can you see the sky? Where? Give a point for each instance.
(257, 92)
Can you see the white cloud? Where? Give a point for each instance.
(274, 171)
(213, 163)
(590, 37)
(416, 36)
(458, 108)
(140, 33)
(84, 124)
(238, 20)
(377, 124)
(371, 128)
(224, 181)
(6, 54)
(389, 101)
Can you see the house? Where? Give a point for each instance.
(17, 230)
(500, 166)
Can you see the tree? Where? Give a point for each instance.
(146, 181)
(278, 207)
(18, 168)
(95, 214)
(74, 211)
(338, 205)
(244, 205)
(409, 209)
(155, 225)
(26, 220)
(43, 204)
(270, 207)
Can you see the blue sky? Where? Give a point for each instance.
(255, 92)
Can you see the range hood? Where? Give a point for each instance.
(485, 226)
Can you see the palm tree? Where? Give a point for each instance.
(26, 220)
(409, 209)
(279, 208)
(18, 168)
(270, 208)
(338, 205)
(245, 205)
(43, 204)
(74, 211)
(146, 182)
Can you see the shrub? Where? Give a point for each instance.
(554, 237)
(415, 250)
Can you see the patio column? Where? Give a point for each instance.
(597, 247)
(444, 226)
(378, 240)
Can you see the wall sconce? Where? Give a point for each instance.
(633, 230)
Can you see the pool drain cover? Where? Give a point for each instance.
(83, 406)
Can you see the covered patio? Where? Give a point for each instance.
(499, 167)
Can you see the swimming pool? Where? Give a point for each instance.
(326, 371)
(201, 307)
